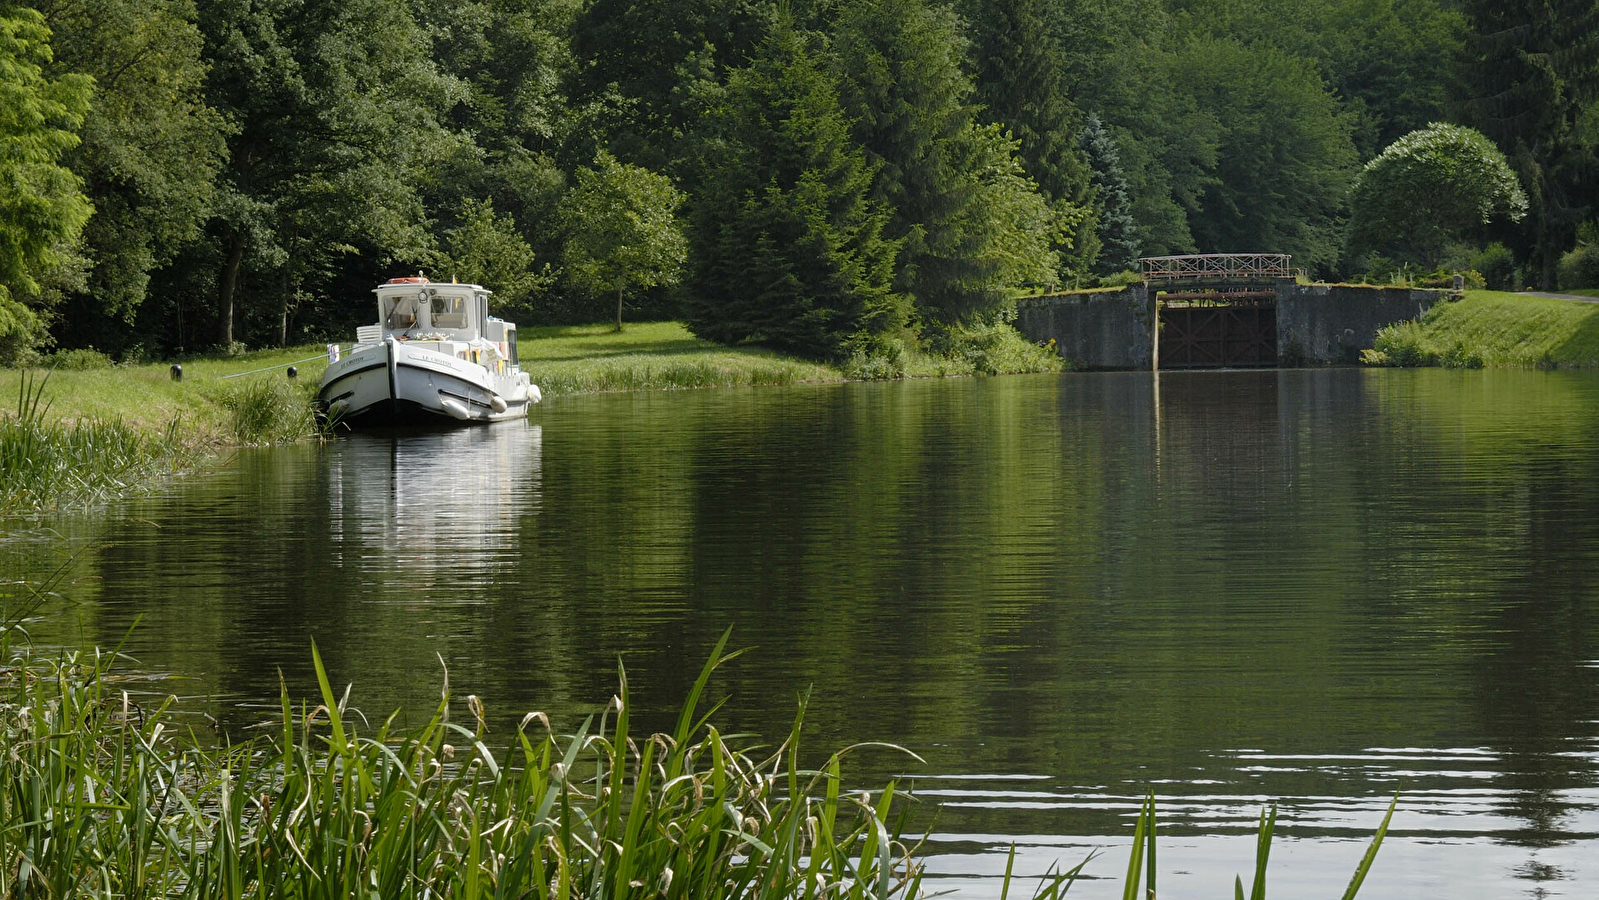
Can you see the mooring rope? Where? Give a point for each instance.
(279, 366)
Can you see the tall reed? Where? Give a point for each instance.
(49, 464)
(99, 797)
(270, 410)
(103, 796)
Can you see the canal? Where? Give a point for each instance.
(1315, 587)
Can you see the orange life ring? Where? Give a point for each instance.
(409, 280)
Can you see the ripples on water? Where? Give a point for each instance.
(1312, 587)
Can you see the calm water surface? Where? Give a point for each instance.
(1317, 587)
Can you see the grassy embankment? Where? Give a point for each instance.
(85, 432)
(1495, 329)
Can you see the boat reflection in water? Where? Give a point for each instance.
(434, 508)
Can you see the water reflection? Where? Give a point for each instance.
(432, 507)
(1314, 586)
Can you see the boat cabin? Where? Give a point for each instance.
(447, 314)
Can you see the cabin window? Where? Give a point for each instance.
(510, 343)
(449, 312)
(400, 314)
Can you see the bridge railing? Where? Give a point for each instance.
(1217, 267)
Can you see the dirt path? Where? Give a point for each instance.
(1576, 297)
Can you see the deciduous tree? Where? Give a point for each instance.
(1529, 81)
(150, 155)
(488, 249)
(1284, 158)
(332, 106)
(42, 206)
(622, 230)
(1428, 189)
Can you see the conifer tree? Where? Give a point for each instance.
(787, 245)
(913, 111)
(1118, 233)
(1020, 72)
(1529, 76)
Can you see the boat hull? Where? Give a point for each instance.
(393, 384)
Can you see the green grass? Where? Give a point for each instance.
(1501, 330)
(651, 356)
(110, 422)
(145, 398)
(207, 404)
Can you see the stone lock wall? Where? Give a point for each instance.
(1317, 324)
(1323, 324)
(1101, 330)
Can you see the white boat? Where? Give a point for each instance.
(435, 355)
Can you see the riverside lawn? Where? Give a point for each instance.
(89, 430)
(561, 360)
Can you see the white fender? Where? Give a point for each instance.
(455, 408)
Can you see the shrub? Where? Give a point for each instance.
(880, 360)
(21, 331)
(995, 349)
(1498, 267)
(77, 360)
(1120, 279)
(1401, 345)
(1460, 357)
(1579, 268)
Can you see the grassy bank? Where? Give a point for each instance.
(46, 462)
(651, 356)
(145, 398)
(1491, 328)
(219, 402)
(113, 422)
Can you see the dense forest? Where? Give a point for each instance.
(833, 177)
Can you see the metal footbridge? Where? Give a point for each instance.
(1212, 269)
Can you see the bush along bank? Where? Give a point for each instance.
(1497, 330)
(102, 795)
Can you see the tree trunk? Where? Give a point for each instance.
(618, 306)
(227, 289)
